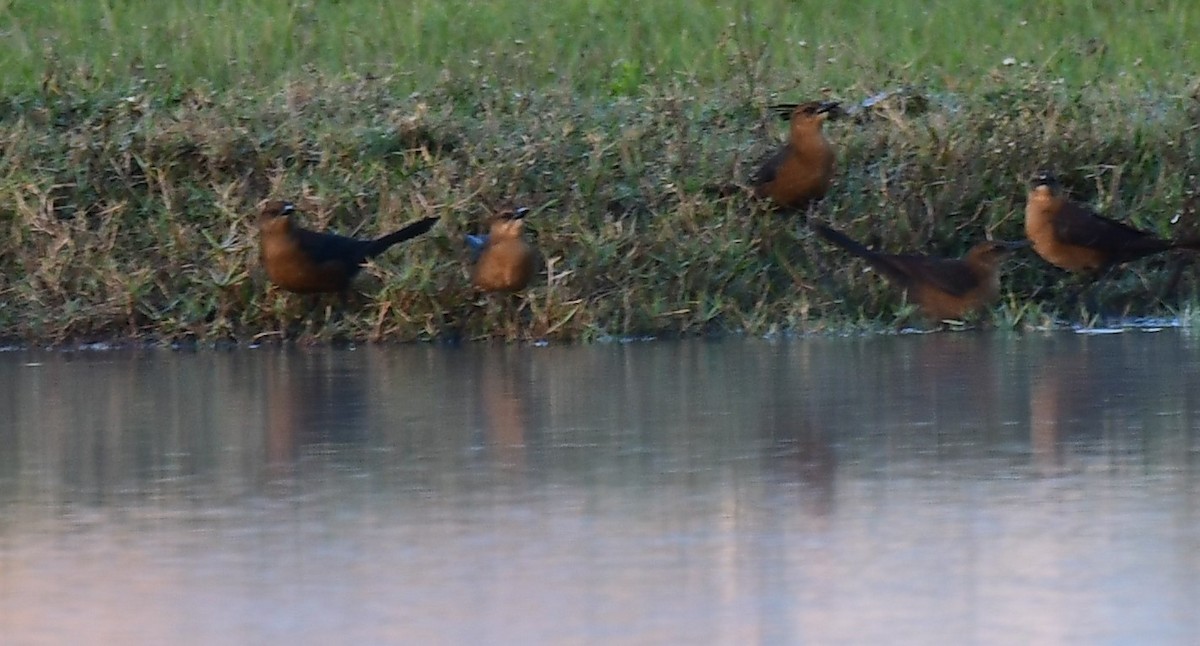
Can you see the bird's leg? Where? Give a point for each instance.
(772, 236)
(1173, 281)
(474, 309)
(454, 320)
(307, 318)
(513, 305)
(1091, 287)
(336, 312)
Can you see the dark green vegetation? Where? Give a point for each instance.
(133, 159)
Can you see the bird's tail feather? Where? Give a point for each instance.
(1191, 244)
(881, 262)
(727, 189)
(842, 240)
(407, 232)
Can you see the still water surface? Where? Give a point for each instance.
(948, 488)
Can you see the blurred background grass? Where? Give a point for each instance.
(597, 47)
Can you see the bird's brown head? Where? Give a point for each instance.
(809, 112)
(508, 223)
(276, 214)
(991, 253)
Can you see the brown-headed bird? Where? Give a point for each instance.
(1071, 236)
(504, 260)
(943, 288)
(311, 262)
(801, 172)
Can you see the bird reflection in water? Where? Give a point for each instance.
(311, 401)
(503, 399)
(796, 445)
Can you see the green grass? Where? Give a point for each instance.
(137, 137)
(593, 46)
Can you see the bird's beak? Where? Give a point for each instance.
(520, 213)
(288, 208)
(1042, 178)
(783, 110)
(833, 108)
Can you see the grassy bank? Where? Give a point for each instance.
(133, 158)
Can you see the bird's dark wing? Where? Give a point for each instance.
(770, 168)
(330, 247)
(949, 275)
(476, 244)
(1078, 225)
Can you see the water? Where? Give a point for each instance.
(948, 488)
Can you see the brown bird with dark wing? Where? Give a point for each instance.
(310, 262)
(1073, 237)
(801, 172)
(504, 260)
(943, 288)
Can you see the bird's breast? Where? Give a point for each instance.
(504, 266)
(290, 268)
(1039, 229)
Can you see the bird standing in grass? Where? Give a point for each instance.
(311, 262)
(801, 172)
(1071, 236)
(503, 260)
(943, 288)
